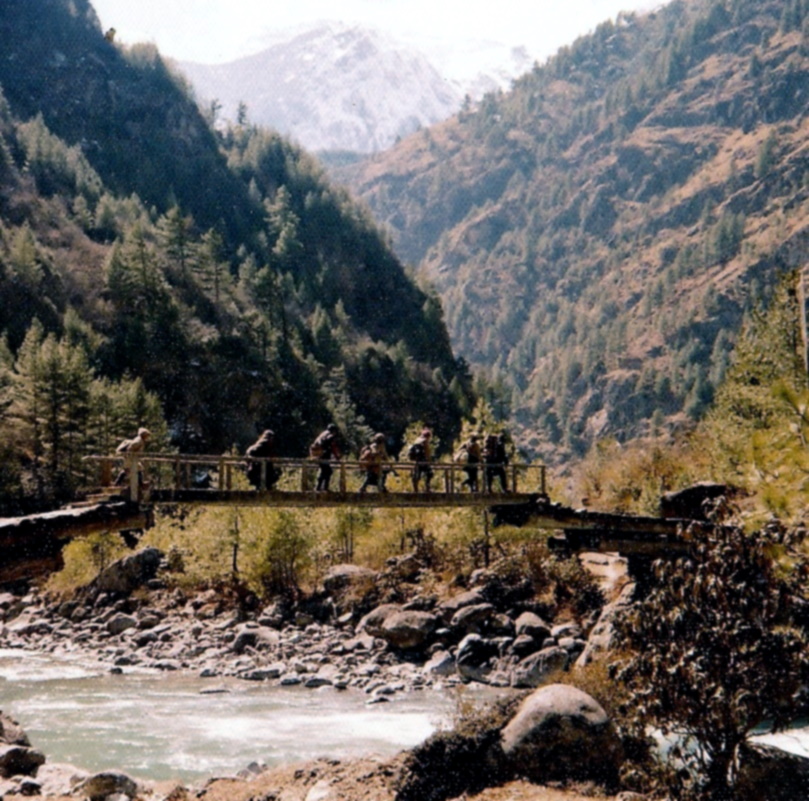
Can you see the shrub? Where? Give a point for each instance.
(286, 556)
(715, 653)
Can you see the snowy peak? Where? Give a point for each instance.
(340, 87)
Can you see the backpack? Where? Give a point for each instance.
(490, 446)
(461, 456)
(416, 453)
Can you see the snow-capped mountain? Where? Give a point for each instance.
(340, 87)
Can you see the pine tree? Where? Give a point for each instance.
(212, 267)
(757, 430)
(174, 232)
(52, 387)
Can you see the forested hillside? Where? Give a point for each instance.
(205, 284)
(599, 233)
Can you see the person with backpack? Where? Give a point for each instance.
(325, 449)
(372, 463)
(131, 446)
(262, 448)
(468, 454)
(495, 460)
(420, 452)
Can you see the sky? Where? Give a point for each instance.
(216, 31)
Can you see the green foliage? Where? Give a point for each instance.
(755, 432)
(84, 558)
(219, 274)
(286, 555)
(714, 652)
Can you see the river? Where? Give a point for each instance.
(179, 726)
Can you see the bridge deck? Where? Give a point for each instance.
(222, 479)
(311, 499)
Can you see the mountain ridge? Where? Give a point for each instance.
(598, 233)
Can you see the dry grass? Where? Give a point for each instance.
(525, 791)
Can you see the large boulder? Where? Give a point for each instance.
(530, 625)
(19, 760)
(372, 622)
(450, 607)
(110, 782)
(253, 636)
(472, 619)
(602, 635)
(535, 669)
(560, 732)
(769, 774)
(59, 778)
(119, 623)
(127, 574)
(473, 658)
(11, 733)
(409, 629)
(342, 577)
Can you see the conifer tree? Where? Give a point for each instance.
(52, 389)
(174, 232)
(757, 430)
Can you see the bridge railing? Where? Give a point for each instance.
(138, 475)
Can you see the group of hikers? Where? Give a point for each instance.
(488, 452)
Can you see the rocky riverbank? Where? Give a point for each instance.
(492, 632)
(377, 632)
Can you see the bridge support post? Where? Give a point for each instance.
(134, 478)
(487, 545)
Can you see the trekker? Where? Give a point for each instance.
(324, 449)
(131, 446)
(420, 452)
(372, 462)
(495, 459)
(262, 448)
(469, 456)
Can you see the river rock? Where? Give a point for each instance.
(372, 622)
(560, 732)
(532, 625)
(251, 635)
(11, 733)
(29, 624)
(100, 785)
(263, 673)
(603, 633)
(472, 659)
(523, 646)
(472, 619)
(448, 609)
(29, 787)
(19, 760)
(535, 669)
(127, 574)
(441, 663)
(119, 623)
(341, 577)
(408, 630)
(566, 630)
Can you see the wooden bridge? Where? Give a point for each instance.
(131, 486)
(175, 478)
